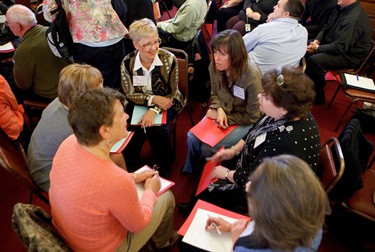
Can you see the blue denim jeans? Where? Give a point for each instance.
(198, 151)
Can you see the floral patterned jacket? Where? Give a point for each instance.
(90, 21)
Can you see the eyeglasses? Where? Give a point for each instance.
(149, 45)
(280, 77)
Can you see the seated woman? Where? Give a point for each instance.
(235, 84)
(94, 203)
(11, 113)
(253, 14)
(53, 127)
(150, 78)
(299, 206)
(288, 127)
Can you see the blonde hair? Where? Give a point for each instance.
(21, 14)
(286, 202)
(142, 28)
(75, 79)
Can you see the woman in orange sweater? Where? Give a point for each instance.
(94, 203)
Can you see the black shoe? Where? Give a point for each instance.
(186, 208)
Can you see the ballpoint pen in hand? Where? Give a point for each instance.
(226, 127)
(216, 227)
(155, 167)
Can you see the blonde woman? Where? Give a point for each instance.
(53, 127)
(150, 78)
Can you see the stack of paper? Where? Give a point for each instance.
(165, 184)
(6, 48)
(358, 82)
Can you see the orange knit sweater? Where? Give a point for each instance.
(94, 203)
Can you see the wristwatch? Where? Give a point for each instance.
(226, 175)
(156, 109)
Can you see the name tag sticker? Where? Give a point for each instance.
(259, 140)
(139, 81)
(239, 92)
(2, 19)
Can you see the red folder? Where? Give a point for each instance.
(209, 207)
(208, 131)
(205, 178)
(120, 145)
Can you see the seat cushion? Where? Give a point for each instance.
(362, 200)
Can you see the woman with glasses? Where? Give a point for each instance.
(287, 127)
(149, 78)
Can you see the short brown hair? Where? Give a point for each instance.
(296, 94)
(232, 41)
(295, 8)
(77, 78)
(91, 110)
(287, 203)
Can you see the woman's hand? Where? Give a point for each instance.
(142, 176)
(218, 172)
(212, 114)
(237, 228)
(270, 17)
(147, 120)
(153, 183)
(231, 3)
(222, 224)
(222, 155)
(222, 118)
(162, 102)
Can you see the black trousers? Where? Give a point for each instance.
(107, 59)
(317, 66)
(224, 14)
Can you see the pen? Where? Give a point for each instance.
(226, 127)
(357, 77)
(144, 129)
(155, 167)
(215, 225)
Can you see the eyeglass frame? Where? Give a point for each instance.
(149, 45)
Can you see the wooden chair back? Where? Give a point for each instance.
(332, 164)
(14, 161)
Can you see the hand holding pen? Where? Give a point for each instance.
(218, 224)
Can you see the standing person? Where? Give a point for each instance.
(287, 127)
(181, 30)
(281, 41)
(98, 35)
(53, 127)
(36, 69)
(343, 43)
(253, 14)
(235, 84)
(289, 186)
(150, 78)
(94, 203)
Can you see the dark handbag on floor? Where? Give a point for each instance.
(366, 117)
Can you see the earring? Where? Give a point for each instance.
(108, 143)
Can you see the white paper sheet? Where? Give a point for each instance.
(208, 240)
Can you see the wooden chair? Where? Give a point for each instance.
(331, 163)
(182, 59)
(302, 64)
(14, 161)
(349, 71)
(363, 201)
(33, 110)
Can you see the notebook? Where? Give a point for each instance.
(120, 145)
(358, 82)
(139, 111)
